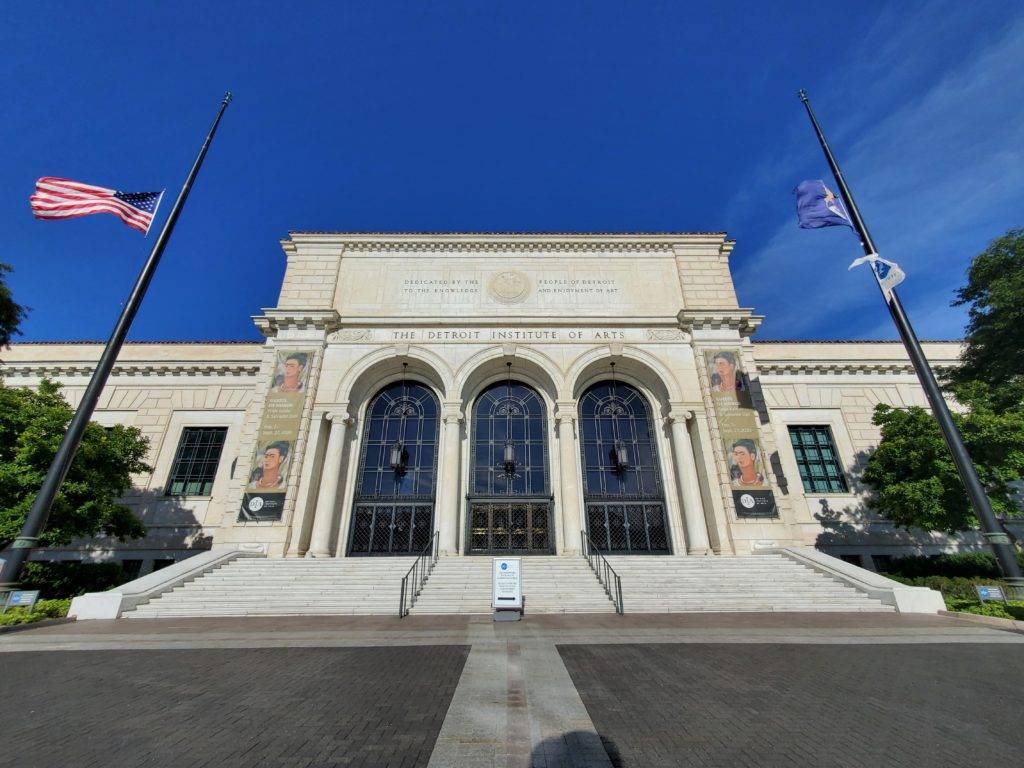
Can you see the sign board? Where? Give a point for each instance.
(988, 592)
(22, 599)
(506, 584)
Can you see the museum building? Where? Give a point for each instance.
(499, 394)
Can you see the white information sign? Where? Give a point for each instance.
(506, 583)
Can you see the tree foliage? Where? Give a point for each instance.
(912, 473)
(994, 341)
(11, 313)
(32, 423)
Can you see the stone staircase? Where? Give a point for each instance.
(251, 586)
(551, 584)
(462, 585)
(764, 583)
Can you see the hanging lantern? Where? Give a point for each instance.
(510, 448)
(619, 453)
(510, 456)
(398, 457)
(398, 449)
(621, 456)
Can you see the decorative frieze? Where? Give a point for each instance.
(140, 369)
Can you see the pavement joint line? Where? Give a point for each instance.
(516, 707)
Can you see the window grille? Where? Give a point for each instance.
(393, 512)
(624, 499)
(817, 459)
(195, 463)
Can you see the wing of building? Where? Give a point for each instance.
(506, 392)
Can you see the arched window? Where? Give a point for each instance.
(510, 496)
(621, 475)
(393, 511)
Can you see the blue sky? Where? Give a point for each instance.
(508, 117)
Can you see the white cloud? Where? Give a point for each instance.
(936, 177)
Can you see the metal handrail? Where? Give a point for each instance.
(416, 576)
(606, 575)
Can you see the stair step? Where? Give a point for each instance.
(551, 584)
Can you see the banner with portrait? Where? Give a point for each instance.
(267, 482)
(741, 443)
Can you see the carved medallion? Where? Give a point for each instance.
(352, 334)
(509, 287)
(666, 334)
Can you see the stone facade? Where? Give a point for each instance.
(450, 312)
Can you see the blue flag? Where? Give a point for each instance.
(817, 206)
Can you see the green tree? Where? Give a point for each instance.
(994, 339)
(912, 473)
(11, 313)
(32, 423)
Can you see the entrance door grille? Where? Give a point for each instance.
(510, 528)
(391, 529)
(631, 527)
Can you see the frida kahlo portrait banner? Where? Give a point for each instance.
(741, 443)
(273, 456)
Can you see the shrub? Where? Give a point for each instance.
(960, 564)
(43, 609)
(950, 587)
(1010, 610)
(70, 578)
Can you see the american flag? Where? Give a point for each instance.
(65, 199)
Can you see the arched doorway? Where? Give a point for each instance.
(622, 484)
(509, 490)
(393, 509)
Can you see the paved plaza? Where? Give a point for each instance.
(575, 691)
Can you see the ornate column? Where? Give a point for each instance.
(451, 478)
(568, 534)
(330, 478)
(686, 472)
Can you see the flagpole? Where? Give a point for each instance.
(36, 518)
(990, 528)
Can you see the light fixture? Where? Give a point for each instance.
(619, 452)
(510, 447)
(398, 449)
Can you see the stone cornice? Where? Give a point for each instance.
(740, 319)
(274, 320)
(137, 369)
(506, 241)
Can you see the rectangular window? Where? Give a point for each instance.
(816, 457)
(195, 463)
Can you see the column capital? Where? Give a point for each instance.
(451, 412)
(682, 415)
(565, 410)
(340, 416)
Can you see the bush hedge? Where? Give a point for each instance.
(43, 609)
(950, 587)
(959, 565)
(70, 578)
(1011, 610)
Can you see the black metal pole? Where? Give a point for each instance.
(990, 527)
(36, 519)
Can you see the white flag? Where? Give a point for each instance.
(887, 273)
